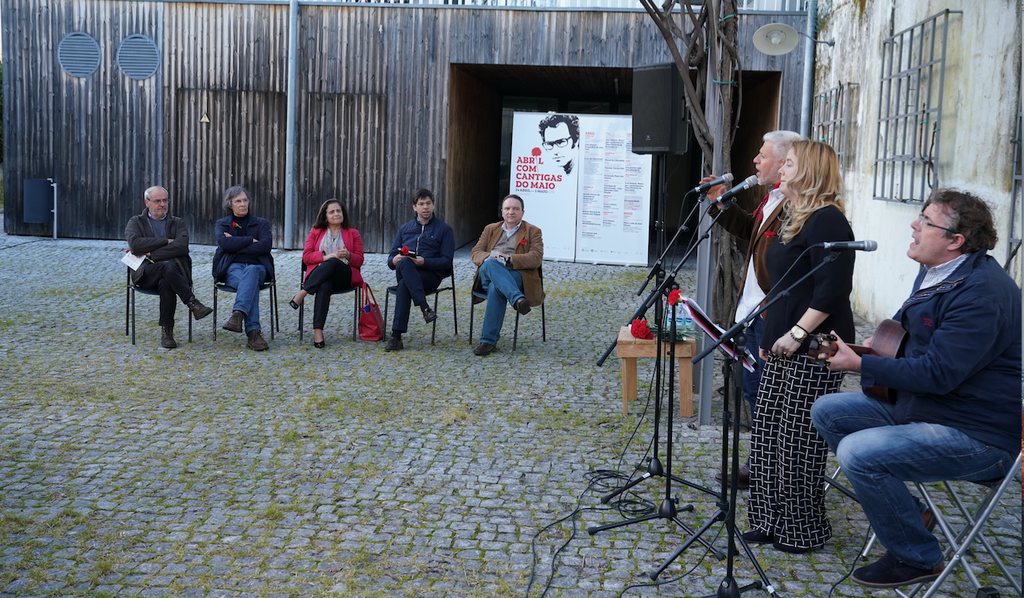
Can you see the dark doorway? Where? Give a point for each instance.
(483, 98)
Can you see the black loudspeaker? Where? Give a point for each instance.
(660, 120)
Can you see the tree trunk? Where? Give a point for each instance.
(729, 258)
(709, 45)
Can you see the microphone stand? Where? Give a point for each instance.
(667, 508)
(733, 370)
(649, 301)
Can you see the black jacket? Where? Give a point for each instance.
(142, 240)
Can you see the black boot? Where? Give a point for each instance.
(167, 337)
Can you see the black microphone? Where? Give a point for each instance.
(747, 183)
(725, 179)
(855, 245)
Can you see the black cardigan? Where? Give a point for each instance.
(827, 290)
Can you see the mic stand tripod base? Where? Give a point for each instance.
(729, 589)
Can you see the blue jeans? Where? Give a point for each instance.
(752, 380)
(878, 456)
(502, 286)
(246, 279)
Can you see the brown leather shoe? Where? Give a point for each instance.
(234, 323)
(394, 344)
(744, 482)
(522, 305)
(199, 311)
(483, 349)
(167, 338)
(256, 341)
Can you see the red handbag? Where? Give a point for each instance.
(371, 323)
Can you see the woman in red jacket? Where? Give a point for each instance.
(332, 255)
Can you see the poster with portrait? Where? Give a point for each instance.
(545, 155)
(583, 186)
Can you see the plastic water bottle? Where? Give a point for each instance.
(685, 326)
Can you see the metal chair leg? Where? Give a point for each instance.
(215, 312)
(358, 307)
(515, 335)
(133, 317)
(433, 331)
(455, 312)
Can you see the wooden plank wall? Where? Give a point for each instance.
(379, 76)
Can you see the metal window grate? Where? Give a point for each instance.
(78, 54)
(830, 118)
(910, 110)
(1016, 222)
(138, 57)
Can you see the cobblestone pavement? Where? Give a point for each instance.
(215, 471)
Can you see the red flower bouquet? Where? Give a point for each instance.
(639, 329)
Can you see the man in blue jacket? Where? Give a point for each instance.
(957, 412)
(242, 260)
(421, 257)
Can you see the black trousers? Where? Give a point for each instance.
(167, 279)
(329, 277)
(413, 285)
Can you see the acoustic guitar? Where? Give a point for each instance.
(889, 341)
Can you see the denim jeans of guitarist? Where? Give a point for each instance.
(878, 455)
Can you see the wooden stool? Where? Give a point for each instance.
(628, 348)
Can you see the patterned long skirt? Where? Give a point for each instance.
(787, 456)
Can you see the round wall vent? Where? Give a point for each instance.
(78, 54)
(138, 57)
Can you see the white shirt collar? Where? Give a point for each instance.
(934, 276)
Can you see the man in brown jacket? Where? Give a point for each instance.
(509, 254)
(758, 230)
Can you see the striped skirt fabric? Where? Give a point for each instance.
(787, 456)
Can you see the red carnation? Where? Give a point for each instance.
(536, 151)
(770, 233)
(235, 225)
(675, 297)
(405, 250)
(639, 329)
(522, 242)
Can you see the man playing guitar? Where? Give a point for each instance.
(957, 387)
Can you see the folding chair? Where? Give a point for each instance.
(358, 305)
(275, 318)
(129, 306)
(515, 335)
(393, 290)
(960, 542)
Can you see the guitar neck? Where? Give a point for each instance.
(862, 350)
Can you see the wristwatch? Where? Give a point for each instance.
(798, 333)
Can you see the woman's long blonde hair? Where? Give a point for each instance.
(817, 184)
